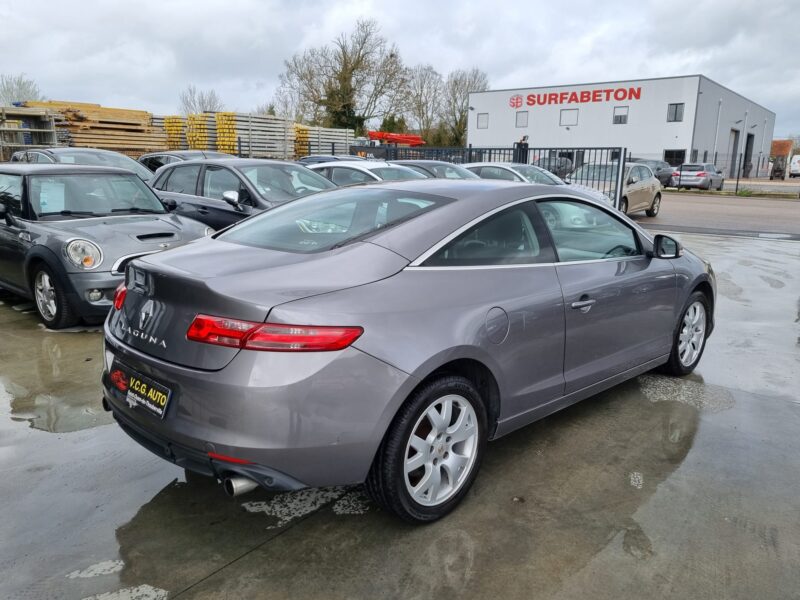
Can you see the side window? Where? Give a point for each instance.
(584, 232)
(345, 176)
(506, 238)
(182, 180)
(497, 173)
(218, 180)
(419, 170)
(635, 175)
(155, 162)
(11, 193)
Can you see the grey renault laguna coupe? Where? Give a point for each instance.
(383, 334)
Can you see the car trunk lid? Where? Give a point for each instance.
(166, 291)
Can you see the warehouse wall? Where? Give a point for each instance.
(719, 109)
(647, 133)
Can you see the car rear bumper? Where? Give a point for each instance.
(288, 420)
(693, 182)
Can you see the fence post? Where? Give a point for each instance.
(738, 170)
(620, 177)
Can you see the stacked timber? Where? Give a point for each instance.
(201, 131)
(265, 136)
(322, 140)
(95, 126)
(175, 128)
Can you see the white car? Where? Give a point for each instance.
(794, 166)
(352, 172)
(528, 174)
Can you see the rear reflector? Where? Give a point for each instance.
(271, 337)
(119, 296)
(229, 459)
(701, 174)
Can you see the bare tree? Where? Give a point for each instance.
(268, 108)
(18, 88)
(193, 101)
(358, 78)
(455, 107)
(424, 98)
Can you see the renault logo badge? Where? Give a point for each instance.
(145, 314)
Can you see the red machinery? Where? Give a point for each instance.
(405, 139)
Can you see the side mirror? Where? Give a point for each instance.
(666, 247)
(5, 215)
(630, 181)
(231, 198)
(170, 204)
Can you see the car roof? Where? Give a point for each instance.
(497, 163)
(188, 153)
(56, 169)
(72, 149)
(234, 161)
(423, 162)
(355, 164)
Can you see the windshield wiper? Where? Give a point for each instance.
(72, 213)
(136, 209)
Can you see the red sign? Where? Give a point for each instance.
(515, 101)
(579, 97)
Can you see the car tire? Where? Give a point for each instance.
(623, 206)
(402, 467)
(50, 299)
(654, 207)
(683, 358)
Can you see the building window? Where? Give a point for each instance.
(620, 115)
(694, 155)
(705, 155)
(674, 113)
(674, 157)
(569, 116)
(483, 120)
(522, 118)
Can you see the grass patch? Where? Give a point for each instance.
(746, 192)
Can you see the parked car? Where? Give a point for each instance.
(368, 171)
(661, 169)
(345, 337)
(640, 188)
(528, 174)
(438, 169)
(83, 156)
(794, 166)
(222, 191)
(156, 160)
(67, 233)
(560, 166)
(321, 158)
(704, 176)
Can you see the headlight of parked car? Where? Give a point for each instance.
(209, 231)
(84, 254)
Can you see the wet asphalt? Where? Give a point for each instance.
(660, 488)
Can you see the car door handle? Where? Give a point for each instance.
(584, 305)
(202, 211)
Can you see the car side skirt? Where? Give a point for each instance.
(510, 424)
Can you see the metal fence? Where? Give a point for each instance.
(600, 168)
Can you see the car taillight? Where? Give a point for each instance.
(701, 174)
(272, 337)
(119, 296)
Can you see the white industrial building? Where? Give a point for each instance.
(677, 119)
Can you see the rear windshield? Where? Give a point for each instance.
(536, 175)
(330, 220)
(452, 172)
(396, 173)
(692, 168)
(105, 159)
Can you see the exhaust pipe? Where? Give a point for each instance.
(236, 486)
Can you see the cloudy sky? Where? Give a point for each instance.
(141, 54)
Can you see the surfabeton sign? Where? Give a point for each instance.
(579, 97)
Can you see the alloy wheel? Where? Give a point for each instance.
(45, 295)
(692, 334)
(441, 450)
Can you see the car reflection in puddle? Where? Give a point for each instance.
(51, 378)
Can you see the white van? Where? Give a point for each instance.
(794, 166)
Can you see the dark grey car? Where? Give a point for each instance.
(660, 168)
(222, 191)
(437, 168)
(156, 160)
(82, 156)
(384, 333)
(67, 233)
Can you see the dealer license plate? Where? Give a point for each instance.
(140, 391)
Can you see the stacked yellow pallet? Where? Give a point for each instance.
(226, 132)
(197, 136)
(301, 139)
(175, 128)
